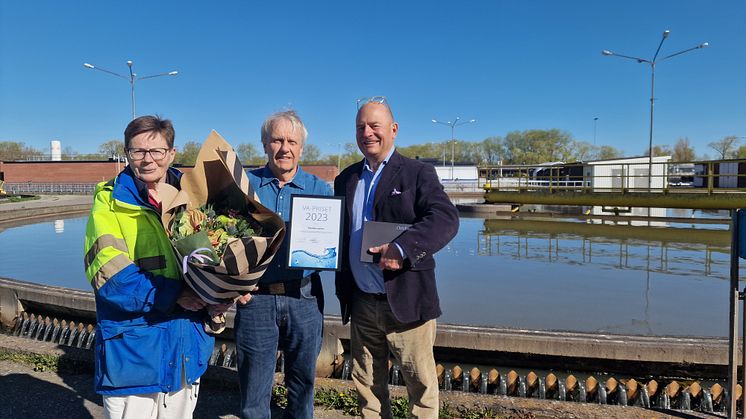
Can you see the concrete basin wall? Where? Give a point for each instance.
(690, 356)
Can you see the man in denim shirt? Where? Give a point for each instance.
(286, 310)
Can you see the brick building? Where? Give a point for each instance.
(78, 172)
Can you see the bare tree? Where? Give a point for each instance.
(112, 148)
(725, 147)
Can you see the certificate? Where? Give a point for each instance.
(315, 232)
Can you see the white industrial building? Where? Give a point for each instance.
(629, 173)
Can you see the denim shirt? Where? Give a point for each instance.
(277, 199)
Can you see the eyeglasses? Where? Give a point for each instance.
(139, 153)
(373, 99)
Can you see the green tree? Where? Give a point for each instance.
(660, 150)
(725, 147)
(425, 150)
(537, 146)
(350, 156)
(249, 155)
(13, 150)
(187, 154)
(682, 150)
(492, 149)
(311, 154)
(606, 152)
(583, 151)
(111, 148)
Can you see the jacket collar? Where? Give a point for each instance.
(390, 172)
(131, 190)
(266, 177)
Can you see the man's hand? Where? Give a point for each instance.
(217, 309)
(243, 299)
(190, 301)
(391, 258)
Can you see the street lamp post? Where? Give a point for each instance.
(131, 79)
(453, 125)
(339, 155)
(595, 121)
(652, 89)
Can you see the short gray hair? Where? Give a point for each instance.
(290, 116)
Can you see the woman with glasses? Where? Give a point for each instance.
(151, 348)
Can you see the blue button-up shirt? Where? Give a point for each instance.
(368, 276)
(272, 196)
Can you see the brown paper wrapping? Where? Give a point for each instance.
(219, 179)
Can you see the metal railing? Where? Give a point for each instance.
(50, 188)
(695, 177)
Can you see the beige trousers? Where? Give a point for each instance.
(175, 405)
(375, 333)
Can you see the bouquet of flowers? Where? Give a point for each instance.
(205, 230)
(221, 234)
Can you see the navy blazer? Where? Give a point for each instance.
(411, 291)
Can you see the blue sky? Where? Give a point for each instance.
(511, 65)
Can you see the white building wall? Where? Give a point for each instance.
(460, 173)
(631, 173)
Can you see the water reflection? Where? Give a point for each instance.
(680, 251)
(532, 274)
(59, 226)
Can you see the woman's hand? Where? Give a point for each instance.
(189, 300)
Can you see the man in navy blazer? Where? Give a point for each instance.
(392, 305)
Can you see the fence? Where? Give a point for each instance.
(50, 188)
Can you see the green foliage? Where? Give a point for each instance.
(250, 155)
(476, 412)
(741, 152)
(400, 407)
(280, 396)
(682, 150)
(12, 150)
(37, 361)
(311, 154)
(346, 402)
(187, 154)
(608, 152)
(350, 156)
(338, 400)
(426, 151)
(660, 150)
(537, 146)
(492, 150)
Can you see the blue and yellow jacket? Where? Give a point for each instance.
(145, 342)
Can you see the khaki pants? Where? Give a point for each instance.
(175, 405)
(374, 333)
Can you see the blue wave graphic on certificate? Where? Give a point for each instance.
(306, 259)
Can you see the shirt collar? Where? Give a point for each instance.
(383, 163)
(268, 177)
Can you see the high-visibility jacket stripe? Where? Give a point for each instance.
(109, 269)
(102, 242)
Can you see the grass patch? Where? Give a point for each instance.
(346, 402)
(37, 361)
(337, 400)
(19, 198)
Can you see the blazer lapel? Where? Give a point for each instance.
(350, 187)
(390, 172)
